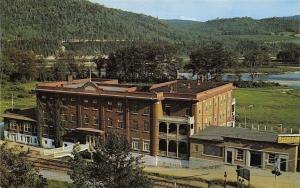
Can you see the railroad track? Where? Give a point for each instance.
(51, 164)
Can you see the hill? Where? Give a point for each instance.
(238, 26)
(76, 19)
(42, 25)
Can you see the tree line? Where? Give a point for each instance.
(142, 62)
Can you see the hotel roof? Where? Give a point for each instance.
(180, 89)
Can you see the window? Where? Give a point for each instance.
(146, 125)
(44, 115)
(64, 101)
(120, 124)
(64, 116)
(13, 124)
(86, 119)
(135, 144)
(109, 105)
(240, 154)
(134, 109)
(188, 112)
(134, 124)
(35, 140)
(196, 148)
(44, 97)
(73, 118)
(95, 120)
(46, 142)
(73, 99)
(27, 139)
(86, 101)
(271, 158)
(120, 107)
(95, 102)
(146, 146)
(109, 122)
(27, 127)
(212, 150)
(147, 110)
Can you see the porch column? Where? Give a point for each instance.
(167, 146)
(248, 158)
(177, 138)
(195, 110)
(156, 112)
(177, 148)
(167, 138)
(263, 156)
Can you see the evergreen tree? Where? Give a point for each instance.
(112, 166)
(16, 171)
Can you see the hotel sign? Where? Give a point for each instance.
(288, 139)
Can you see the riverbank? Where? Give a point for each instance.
(266, 70)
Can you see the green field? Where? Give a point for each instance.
(271, 106)
(22, 93)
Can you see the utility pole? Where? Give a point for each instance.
(276, 170)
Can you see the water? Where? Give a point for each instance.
(290, 79)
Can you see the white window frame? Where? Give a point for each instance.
(27, 127)
(135, 144)
(237, 155)
(146, 145)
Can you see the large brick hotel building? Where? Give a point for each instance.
(157, 119)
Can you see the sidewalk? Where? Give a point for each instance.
(259, 178)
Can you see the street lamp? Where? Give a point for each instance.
(250, 106)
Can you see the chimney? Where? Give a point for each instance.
(69, 78)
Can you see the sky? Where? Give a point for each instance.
(203, 10)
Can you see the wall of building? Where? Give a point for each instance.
(215, 110)
(291, 151)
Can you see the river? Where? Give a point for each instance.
(290, 79)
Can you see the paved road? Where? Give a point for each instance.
(56, 175)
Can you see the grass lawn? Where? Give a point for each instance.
(24, 97)
(58, 184)
(271, 106)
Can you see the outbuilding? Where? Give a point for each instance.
(246, 147)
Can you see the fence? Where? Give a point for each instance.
(270, 128)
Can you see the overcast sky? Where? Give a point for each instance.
(203, 10)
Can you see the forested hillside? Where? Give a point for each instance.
(75, 19)
(42, 25)
(238, 26)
